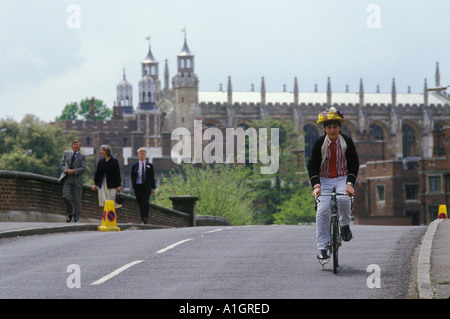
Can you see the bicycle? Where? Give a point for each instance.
(335, 229)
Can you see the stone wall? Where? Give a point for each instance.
(36, 196)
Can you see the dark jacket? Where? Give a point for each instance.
(149, 175)
(316, 160)
(111, 169)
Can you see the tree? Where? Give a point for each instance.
(222, 190)
(299, 208)
(101, 111)
(9, 129)
(32, 146)
(69, 113)
(72, 110)
(275, 189)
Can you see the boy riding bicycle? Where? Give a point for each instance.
(333, 167)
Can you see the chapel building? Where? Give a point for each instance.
(403, 139)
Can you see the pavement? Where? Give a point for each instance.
(16, 229)
(433, 262)
(433, 266)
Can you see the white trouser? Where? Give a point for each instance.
(329, 185)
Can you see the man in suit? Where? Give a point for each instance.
(143, 180)
(73, 165)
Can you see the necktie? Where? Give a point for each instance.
(333, 172)
(142, 174)
(72, 160)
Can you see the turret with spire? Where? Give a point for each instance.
(437, 76)
(185, 58)
(263, 92)
(166, 77)
(229, 92)
(361, 93)
(394, 93)
(425, 93)
(150, 66)
(295, 92)
(362, 116)
(149, 84)
(185, 87)
(329, 92)
(124, 92)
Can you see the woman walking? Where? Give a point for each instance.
(107, 177)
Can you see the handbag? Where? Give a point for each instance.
(119, 198)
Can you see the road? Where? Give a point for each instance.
(207, 262)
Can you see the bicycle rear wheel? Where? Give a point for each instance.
(335, 243)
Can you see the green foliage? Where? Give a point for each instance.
(32, 146)
(299, 208)
(69, 113)
(72, 110)
(101, 111)
(223, 191)
(276, 189)
(91, 167)
(241, 193)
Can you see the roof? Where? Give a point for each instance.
(150, 58)
(147, 106)
(185, 50)
(321, 98)
(124, 81)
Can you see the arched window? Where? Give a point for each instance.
(409, 141)
(311, 135)
(376, 132)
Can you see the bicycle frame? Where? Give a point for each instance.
(335, 228)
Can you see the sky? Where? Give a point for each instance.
(54, 52)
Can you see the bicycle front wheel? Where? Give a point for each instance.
(335, 243)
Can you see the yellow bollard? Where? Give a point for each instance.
(109, 218)
(442, 214)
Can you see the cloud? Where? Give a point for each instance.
(34, 50)
(45, 64)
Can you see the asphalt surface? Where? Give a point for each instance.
(433, 260)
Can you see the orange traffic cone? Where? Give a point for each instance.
(109, 218)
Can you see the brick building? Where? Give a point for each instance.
(402, 138)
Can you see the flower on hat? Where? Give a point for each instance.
(331, 114)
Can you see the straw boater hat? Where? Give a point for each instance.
(331, 115)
